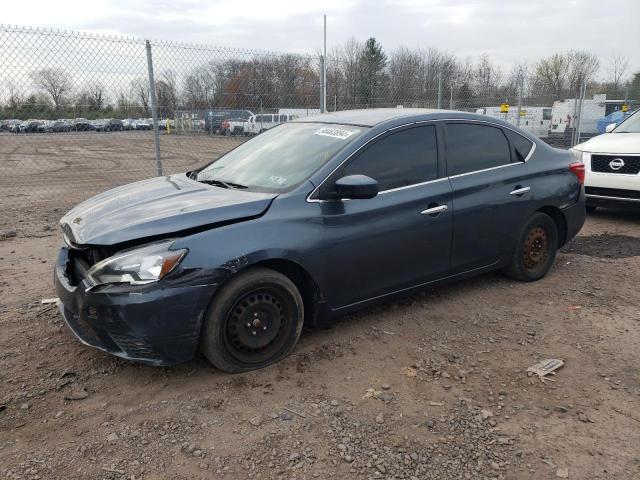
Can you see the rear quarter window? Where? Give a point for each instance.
(522, 146)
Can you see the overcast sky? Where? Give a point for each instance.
(508, 30)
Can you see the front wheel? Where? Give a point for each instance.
(254, 321)
(536, 249)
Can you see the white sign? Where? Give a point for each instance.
(335, 133)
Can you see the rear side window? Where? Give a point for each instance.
(403, 158)
(521, 145)
(472, 147)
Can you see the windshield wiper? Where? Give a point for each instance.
(221, 183)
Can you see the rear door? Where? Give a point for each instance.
(492, 192)
(401, 237)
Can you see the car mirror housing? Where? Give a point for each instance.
(609, 128)
(356, 187)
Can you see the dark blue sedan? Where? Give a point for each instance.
(307, 221)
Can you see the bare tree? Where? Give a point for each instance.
(15, 95)
(582, 67)
(91, 98)
(518, 80)
(55, 82)
(487, 77)
(564, 73)
(551, 74)
(140, 92)
(167, 93)
(96, 96)
(618, 66)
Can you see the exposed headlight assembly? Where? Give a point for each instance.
(137, 266)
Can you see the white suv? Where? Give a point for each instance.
(612, 165)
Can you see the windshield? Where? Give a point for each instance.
(279, 158)
(630, 125)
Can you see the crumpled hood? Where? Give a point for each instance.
(158, 206)
(620, 143)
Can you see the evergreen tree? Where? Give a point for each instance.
(373, 62)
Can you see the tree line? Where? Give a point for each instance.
(359, 75)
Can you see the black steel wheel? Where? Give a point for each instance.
(536, 250)
(254, 321)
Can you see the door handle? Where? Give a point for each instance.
(520, 191)
(433, 211)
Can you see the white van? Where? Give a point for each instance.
(535, 120)
(264, 121)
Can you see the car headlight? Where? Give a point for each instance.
(578, 155)
(137, 266)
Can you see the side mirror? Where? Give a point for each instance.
(609, 128)
(356, 187)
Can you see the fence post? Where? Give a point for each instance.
(583, 89)
(154, 108)
(323, 86)
(519, 100)
(439, 90)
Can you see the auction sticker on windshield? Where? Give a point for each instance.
(335, 132)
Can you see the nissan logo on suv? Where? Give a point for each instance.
(616, 164)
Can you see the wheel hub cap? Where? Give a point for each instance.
(536, 248)
(255, 322)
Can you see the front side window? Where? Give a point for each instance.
(402, 158)
(472, 147)
(279, 158)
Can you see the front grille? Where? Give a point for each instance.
(134, 347)
(602, 164)
(612, 192)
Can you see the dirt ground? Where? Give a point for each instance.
(43, 175)
(433, 386)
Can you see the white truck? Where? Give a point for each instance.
(565, 112)
(264, 121)
(535, 120)
(612, 165)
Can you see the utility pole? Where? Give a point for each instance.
(154, 108)
(323, 100)
(440, 90)
(520, 85)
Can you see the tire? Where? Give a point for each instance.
(536, 249)
(591, 208)
(254, 321)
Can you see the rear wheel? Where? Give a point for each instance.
(591, 208)
(254, 321)
(536, 249)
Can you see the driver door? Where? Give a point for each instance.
(402, 237)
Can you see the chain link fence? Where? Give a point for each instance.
(80, 113)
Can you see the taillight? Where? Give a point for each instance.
(577, 168)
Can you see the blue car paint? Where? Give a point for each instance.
(351, 253)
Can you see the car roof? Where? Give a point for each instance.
(374, 116)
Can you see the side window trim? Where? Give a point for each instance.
(439, 149)
(440, 124)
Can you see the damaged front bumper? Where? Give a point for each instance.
(156, 324)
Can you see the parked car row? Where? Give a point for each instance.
(79, 125)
